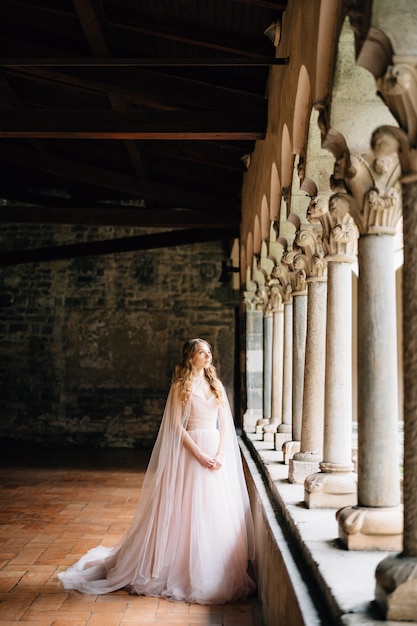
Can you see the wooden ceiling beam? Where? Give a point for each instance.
(208, 153)
(125, 185)
(94, 24)
(117, 215)
(92, 124)
(143, 62)
(144, 87)
(190, 34)
(114, 246)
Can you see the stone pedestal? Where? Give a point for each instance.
(363, 528)
(283, 434)
(331, 488)
(289, 449)
(301, 465)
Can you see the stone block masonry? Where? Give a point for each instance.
(88, 344)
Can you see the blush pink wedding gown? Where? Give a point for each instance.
(192, 536)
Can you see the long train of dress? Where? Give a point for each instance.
(192, 536)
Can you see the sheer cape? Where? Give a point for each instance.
(147, 549)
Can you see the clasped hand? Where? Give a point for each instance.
(210, 462)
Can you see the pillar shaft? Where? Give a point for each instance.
(337, 447)
(378, 459)
(299, 332)
(287, 368)
(313, 396)
(299, 351)
(254, 369)
(267, 374)
(377, 522)
(335, 485)
(277, 364)
(307, 460)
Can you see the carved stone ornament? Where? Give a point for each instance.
(309, 240)
(280, 279)
(399, 91)
(339, 232)
(367, 187)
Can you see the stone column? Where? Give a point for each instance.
(376, 522)
(269, 430)
(262, 306)
(307, 460)
(268, 330)
(299, 298)
(396, 575)
(254, 362)
(284, 430)
(336, 484)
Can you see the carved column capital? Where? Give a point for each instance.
(276, 298)
(339, 232)
(367, 187)
(280, 279)
(309, 240)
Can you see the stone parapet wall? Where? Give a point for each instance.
(88, 344)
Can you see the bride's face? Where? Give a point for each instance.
(201, 357)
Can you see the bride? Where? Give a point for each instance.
(192, 535)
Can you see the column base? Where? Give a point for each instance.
(396, 588)
(331, 490)
(289, 449)
(302, 465)
(281, 439)
(366, 528)
(269, 430)
(263, 421)
(250, 419)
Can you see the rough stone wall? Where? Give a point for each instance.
(88, 345)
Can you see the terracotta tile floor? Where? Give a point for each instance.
(55, 505)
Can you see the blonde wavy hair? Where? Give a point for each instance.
(183, 373)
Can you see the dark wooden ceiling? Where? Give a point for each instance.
(131, 112)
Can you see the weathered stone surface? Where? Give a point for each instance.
(88, 345)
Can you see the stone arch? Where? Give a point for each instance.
(301, 111)
(249, 250)
(243, 264)
(287, 160)
(275, 193)
(257, 235)
(265, 220)
(330, 23)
